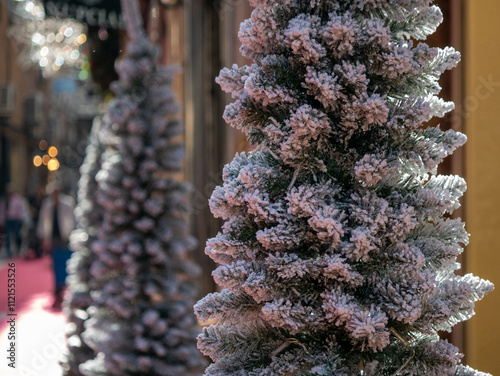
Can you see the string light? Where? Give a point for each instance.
(48, 159)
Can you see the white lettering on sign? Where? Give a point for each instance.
(91, 16)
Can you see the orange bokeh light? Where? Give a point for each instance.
(37, 161)
(53, 164)
(53, 151)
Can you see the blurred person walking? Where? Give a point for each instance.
(55, 223)
(12, 214)
(34, 243)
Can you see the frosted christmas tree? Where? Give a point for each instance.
(79, 283)
(140, 283)
(336, 256)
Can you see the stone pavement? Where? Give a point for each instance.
(37, 327)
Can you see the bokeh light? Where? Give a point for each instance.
(83, 75)
(52, 44)
(82, 38)
(53, 151)
(37, 161)
(53, 164)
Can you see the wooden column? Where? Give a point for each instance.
(205, 131)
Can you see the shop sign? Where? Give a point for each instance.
(102, 13)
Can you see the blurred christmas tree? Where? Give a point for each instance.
(336, 256)
(89, 216)
(140, 278)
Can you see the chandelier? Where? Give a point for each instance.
(47, 42)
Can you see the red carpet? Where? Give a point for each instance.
(38, 328)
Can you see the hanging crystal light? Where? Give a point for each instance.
(49, 43)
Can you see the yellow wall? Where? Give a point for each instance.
(481, 113)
